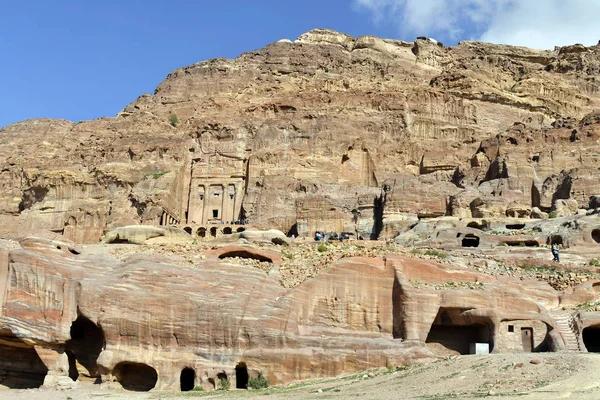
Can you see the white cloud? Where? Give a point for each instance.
(532, 23)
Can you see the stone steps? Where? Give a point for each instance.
(564, 324)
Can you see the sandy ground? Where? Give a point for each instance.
(502, 376)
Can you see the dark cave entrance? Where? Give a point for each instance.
(201, 232)
(453, 333)
(515, 226)
(84, 347)
(188, 229)
(136, 377)
(213, 232)
(591, 338)
(470, 240)
(293, 232)
(187, 380)
(244, 254)
(596, 235)
(240, 230)
(20, 365)
(378, 214)
(241, 376)
(227, 231)
(522, 243)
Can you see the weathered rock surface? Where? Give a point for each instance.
(142, 320)
(328, 133)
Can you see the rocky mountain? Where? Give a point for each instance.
(329, 132)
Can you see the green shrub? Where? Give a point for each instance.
(224, 384)
(322, 248)
(594, 262)
(198, 389)
(259, 382)
(174, 120)
(159, 174)
(415, 252)
(436, 253)
(552, 214)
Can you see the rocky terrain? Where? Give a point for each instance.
(171, 247)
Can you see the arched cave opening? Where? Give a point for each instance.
(86, 343)
(227, 231)
(240, 230)
(188, 230)
(591, 338)
(245, 254)
(201, 232)
(20, 365)
(187, 380)
(515, 226)
(136, 377)
(470, 240)
(241, 376)
(556, 239)
(213, 232)
(596, 235)
(452, 333)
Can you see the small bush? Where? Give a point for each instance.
(594, 262)
(198, 389)
(415, 252)
(552, 214)
(259, 382)
(322, 248)
(174, 120)
(224, 384)
(159, 174)
(436, 253)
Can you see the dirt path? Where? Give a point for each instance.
(538, 376)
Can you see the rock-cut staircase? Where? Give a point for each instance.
(567, 328)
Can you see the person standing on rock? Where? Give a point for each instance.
(555, 252)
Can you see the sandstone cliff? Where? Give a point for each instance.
(70, 313)
(329, 132)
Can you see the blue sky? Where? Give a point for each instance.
(87, 59)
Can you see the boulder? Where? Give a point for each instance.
(145, 234)
(565, 208)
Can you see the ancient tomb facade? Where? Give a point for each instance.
(217, 187)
